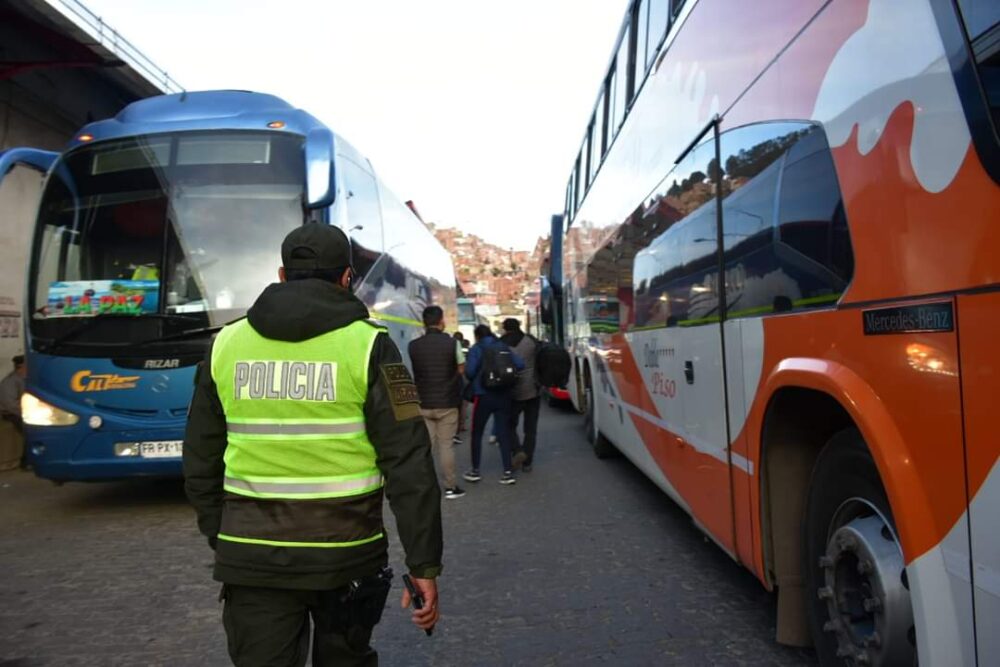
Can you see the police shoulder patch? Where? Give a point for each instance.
(402, 391)
(396, 374)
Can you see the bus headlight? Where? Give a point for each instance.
(36, 412)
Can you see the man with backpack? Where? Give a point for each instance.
(525, 396)
(492, 367)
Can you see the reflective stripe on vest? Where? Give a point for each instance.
(294, 487)
(289, 427)
(299, 468)
(280, 543)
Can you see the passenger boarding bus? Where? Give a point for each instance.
(781, 290)
(156, 228)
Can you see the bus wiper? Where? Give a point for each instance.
(180, 335)
(100, 317)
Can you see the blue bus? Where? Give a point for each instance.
(157, 227)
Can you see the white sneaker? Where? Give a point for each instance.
(493, 440)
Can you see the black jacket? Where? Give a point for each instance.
(297, 311)
(435, 370)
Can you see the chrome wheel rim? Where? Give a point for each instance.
(865, 591)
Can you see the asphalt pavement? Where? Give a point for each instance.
(582, 562)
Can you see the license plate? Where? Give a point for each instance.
(163, 449)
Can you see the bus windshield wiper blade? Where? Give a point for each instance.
(73, 333)
(180, 335)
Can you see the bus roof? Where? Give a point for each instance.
(205, 110)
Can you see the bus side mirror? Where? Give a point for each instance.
(321, 188)
(26, 157)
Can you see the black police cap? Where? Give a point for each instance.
(316, 246)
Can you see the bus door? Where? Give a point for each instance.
(692, 300)
(781, 247)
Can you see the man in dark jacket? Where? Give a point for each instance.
(525, 397)
(301, 414)
(495, 402)
(438, 362)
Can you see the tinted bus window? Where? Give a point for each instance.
(676, 6)
(614, 104)
(655, 268)
(616, 111)
(622, 94)
(673, 277)
(699, 250)
(597, 138)
(979, 16)
(364, 217)
(749, 213)
(571, 197)
(641, 21)
(811, 213)
(786, 243)
(577, 188)
(751, 166)
(362, 205)
(659, 20)
(982, 23)
(601, 123)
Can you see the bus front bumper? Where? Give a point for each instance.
(80, 453)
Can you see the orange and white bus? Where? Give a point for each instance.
(789, 212)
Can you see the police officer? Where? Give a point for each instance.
(302, 415)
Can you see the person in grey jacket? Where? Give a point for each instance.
(526, 397)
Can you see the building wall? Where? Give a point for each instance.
(24, 121)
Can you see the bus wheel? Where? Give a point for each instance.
(602, 446)
(859, 599)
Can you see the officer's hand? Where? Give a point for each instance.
(427, 617)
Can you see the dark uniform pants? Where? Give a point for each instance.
(269, 627)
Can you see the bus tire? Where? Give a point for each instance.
(857, 592)
(603, 448)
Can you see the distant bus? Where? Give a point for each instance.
(160, 225)
(469, 318)
(781, 292)
(466, 317)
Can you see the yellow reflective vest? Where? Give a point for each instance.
(299, 468)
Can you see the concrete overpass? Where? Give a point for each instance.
(61, 66)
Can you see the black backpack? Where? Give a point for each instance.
(552, 364)
(498, 372)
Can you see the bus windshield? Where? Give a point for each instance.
(175, 231)
(466, 312)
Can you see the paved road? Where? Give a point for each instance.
(583, 562)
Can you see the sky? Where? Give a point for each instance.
(473, 109)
